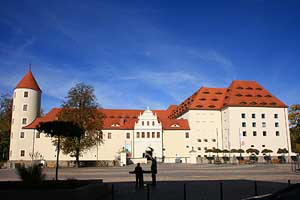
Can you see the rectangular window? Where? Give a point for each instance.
(22, 153)
(24, 121)
(25, 94)
(263, 124)
(252, 145)
(153, 123)
(158, 134)
(142, 123)
(243, 115)
(24, 107)
(143, 134)
(109, 135)
(263, 145)
(148, 134)
(214, 140)
(101, 135)
(253, 124)
(276, 124)
(22, 135)
(263, 116)
(199, 148)
(276, 116)
(187, 135)
(205, 148)
(199, 140)
(254, 133)
(148, 123)
(205, 140)
(277, 133)
(153, 134)
(128, 135)
(264, 133)
(38, 135)
(253, 115)
(244, 133)
(243, 124)
(138, 134)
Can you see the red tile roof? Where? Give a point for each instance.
(29, 82)
(120, 119)
(239, 94)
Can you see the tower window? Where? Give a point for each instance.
(25, 107)
(26, 94)
(109, 135)
(142, 123)
(38, 135)
(138, 134)
(276, 116)
(148, 123)
(158, 134)
(128, 135)
(153, 123)
(187, 135)
(22, 135)
(24, 120)
(22, 153)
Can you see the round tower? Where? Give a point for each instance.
(26, 108)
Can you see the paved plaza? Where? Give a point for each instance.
(202, 181)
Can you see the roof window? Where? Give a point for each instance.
(199, 106)
(273, 103)
(268, 95)
(202, 99)
(248, 95)
(258, 88)
(239, 88)
(211, 106)
(214, 99)
(249, 88)
(115, 125)
(258, 95)
(243, 103)
(263, 103)
(253, 103)
(206, 92)
(175, 126)
(238, 95)
(218, 93)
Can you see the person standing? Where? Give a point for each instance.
(153, 171)
(139, 179)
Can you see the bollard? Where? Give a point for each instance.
(112, 192)
(148, 192)
(289, 183)
(255, 188)
(221, 191)
(184, 191)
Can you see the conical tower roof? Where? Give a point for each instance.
(29, 82)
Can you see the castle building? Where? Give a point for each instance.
(242, 116)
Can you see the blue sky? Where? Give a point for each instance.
(150, 53)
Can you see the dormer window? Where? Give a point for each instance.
(115, 125)
(175, 126)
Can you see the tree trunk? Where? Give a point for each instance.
(77, 158)
(57, 158)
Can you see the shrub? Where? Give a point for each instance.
(32, 175)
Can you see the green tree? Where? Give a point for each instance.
(81, 107)
(5, 125)
(294, 118)
(57, 130)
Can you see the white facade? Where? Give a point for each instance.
(231, 127)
